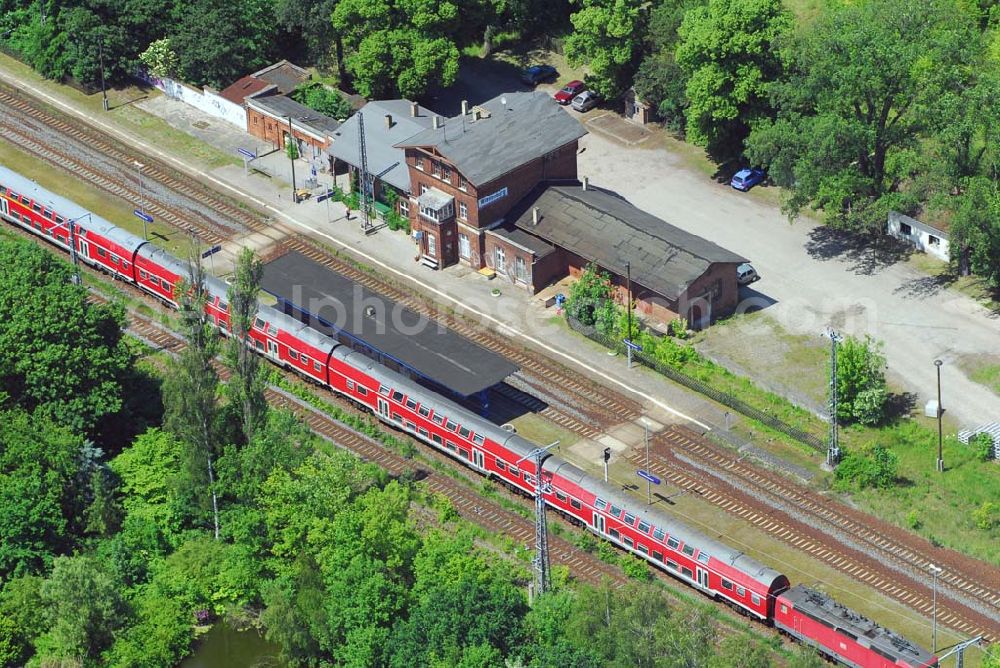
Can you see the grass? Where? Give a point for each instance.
(113, 209)
(153, 130)
(988, 375)
(539, 430)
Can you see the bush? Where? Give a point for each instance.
(987, 516)
(679, 327)
(913, 519)
(861, 388)
(982, 445)
(874, 467)
(636, 568)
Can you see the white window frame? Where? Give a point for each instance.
(464, 245)
(463, 211)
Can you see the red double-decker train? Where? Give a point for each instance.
(705, 564)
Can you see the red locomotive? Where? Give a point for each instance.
(701, 562)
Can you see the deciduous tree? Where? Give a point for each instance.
(607, 37)
(861, 388)
(246, 387)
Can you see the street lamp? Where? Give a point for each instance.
(142, 204)
(104, 90)
(940, 458)
(935, 572)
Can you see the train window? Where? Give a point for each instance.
(362, 390)
(224, 307)
(464, 432)
(47, 214)
(437, 419)
(576, 504)
(154, 280)
(642, 548)
(436, 438)
(451, 425)
(25, 200)
(673, 543)
(501, 465)
(411, 404)
(755, 599)
(294, 355)
(464, 453)
(115, 259)
(423, 432)
(101, 252)
(397, 417)
(259, 344)
(614, 534)
(600, 503)
(643, 527)
(659, 535)
(688, 550)
(60, 220)
(397, 396)
(383, 390)
(657, 555)
(451, 446)
(258, 323)
(686, 572)
(478, 439)
(671, 565)
(528, 478)
(3, 190)
(168, 287)
(272, 330)
(423, 410)
(410, 425)
(629, 519)
(784, 609)
(726, 584)
(317, 366)
(514, 471)
(350, 384)
(741, 592)
(36, 208)
(305, 360)
(629, 543)
(616, 511)
(560, 496)
(703, 557)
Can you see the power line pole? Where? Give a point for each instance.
(628, 333)
(833, 450)
(541, 561)
(291, 156)
(100, 58)
(363, 176)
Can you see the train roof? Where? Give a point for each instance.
(822, 608)
(421, 345)
(69, 209)
(436, 402)
(166, 260)
(663, 520)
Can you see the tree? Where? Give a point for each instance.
(20, 623)
(60, 355)
(39, 492)
(82, 607)
(324, 100)
(607, 37)
(589, 295)
(398, 47)
(866, 80)
(729, 50)
(160, 59)
(191, 387)
(862, 393)
(246, 387)
(975, 229)
(311, 20)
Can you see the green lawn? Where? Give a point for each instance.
(988, 375)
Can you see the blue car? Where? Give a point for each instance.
(745, 179)
(538, 73)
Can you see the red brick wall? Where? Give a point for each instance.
(270, 130)
(720, 277)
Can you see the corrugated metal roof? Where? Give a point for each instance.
(528, 126)
(604, 228)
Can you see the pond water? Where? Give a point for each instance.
(225, 647)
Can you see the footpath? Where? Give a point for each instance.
(514, 313)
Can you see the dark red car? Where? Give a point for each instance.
(572, 89)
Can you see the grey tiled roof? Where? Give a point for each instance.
(528, 126)
(302, 116)
(604, 228)
(380, 142)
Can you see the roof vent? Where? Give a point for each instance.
(475, 113)
(465, 107)
(483, 111)
(586, 182)
(536, 215)
(388, 121)
(414, 109)
(437, 121)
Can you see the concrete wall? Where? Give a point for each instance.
(923, 237)
(206, 100)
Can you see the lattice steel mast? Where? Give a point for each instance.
(364, 176)
(833, 450)
(540, 563)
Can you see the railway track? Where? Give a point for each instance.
(868, 550)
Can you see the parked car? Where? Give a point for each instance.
(538, 73)
(585, 101)
(571, 90)
(745, 179)
(746, 274)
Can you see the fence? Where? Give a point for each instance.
(687, 381)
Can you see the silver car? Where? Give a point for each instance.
(585, 101)
(746, 274)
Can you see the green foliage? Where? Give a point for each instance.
(982, 445)
(679, 328)
(246, 387)
(636, 568)
(60, 355)
(987, 516)
(913, 519)
(20, 621)
(975, 229)
(398, 47)
(160, 59)
(876, 466)
(729, 51)
(325, 100)
(40, 492)
(861, 388)
(160, 635)
(588, 295)
(867, 80)
(607, 37)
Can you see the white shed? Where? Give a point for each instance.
(922, 236)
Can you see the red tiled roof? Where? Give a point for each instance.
(248, 85)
